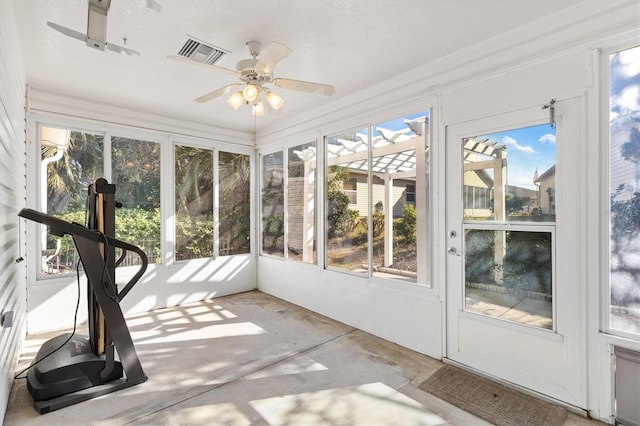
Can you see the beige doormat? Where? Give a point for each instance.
(491, 401)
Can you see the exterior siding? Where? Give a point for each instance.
(399, 187)
(12, 198)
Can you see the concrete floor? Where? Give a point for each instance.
(254, 359)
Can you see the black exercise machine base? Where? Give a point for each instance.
(44, 407)
(69, 369)
(75, 372)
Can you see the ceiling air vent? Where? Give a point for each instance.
(199, 51)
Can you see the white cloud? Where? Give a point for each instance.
(629, 97)
(509, 141)
(548, 138)
(630, 62)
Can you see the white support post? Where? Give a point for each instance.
(388, 219)
(308, 215)
(499, 198)
(423, 208)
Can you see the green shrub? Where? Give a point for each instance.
(407, 226)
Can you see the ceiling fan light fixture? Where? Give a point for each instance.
(257, 109)
(275, 100)
(250, 92)
(236, 100)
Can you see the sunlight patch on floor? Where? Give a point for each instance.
(371, 404)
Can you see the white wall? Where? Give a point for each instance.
(12, 195)
(528, 66)
(52, 302)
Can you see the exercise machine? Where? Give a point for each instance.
(73, 368)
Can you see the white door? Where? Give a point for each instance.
(515, 299)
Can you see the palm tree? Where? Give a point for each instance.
(69, 177)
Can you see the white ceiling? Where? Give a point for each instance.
(351, 44)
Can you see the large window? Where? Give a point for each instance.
(234, 210)
(69, 160)
(376, 191)
(135, 170)
(301, 203)
(273, 204)
(194, 202)
(346, 223)
(624, 190)
(289, 203)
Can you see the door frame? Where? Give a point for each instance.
(562, 376)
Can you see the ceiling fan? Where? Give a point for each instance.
(254, 74)
(96, 35)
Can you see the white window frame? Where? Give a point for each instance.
(605, 181)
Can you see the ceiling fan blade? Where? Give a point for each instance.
(219, 92)
(119, 49)
(68, 31)
(214, 67)
(304, 86)
(275, 53)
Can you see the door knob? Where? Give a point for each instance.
(453, 250)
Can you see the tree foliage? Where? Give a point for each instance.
(407, 227)
(135, 170)
(193, 202)
(341, 219)
(234, 171)
(630, 150)
(69, 177)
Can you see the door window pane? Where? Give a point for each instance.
(194, 202)
(70, 162)
(508, 275)
(624, 184)
(347, 226)
(135, 166)
(273, 204)
(510, 175)
(234, 211)
(301, 203)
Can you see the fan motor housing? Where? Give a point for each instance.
(249, 73)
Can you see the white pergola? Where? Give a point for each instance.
(403, 154)
(394, 154)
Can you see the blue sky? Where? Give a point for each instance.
(625, 82)
(528, 149)
(398, 123)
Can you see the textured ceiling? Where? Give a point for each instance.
(351, 44)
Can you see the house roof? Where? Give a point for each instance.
(548, 173)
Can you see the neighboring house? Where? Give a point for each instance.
(528, 196)
(404, 192)
(478, 186)
(547, 191)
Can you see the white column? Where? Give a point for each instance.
(308, 223)
(423, 208)
(388, 219)
(499, 196)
